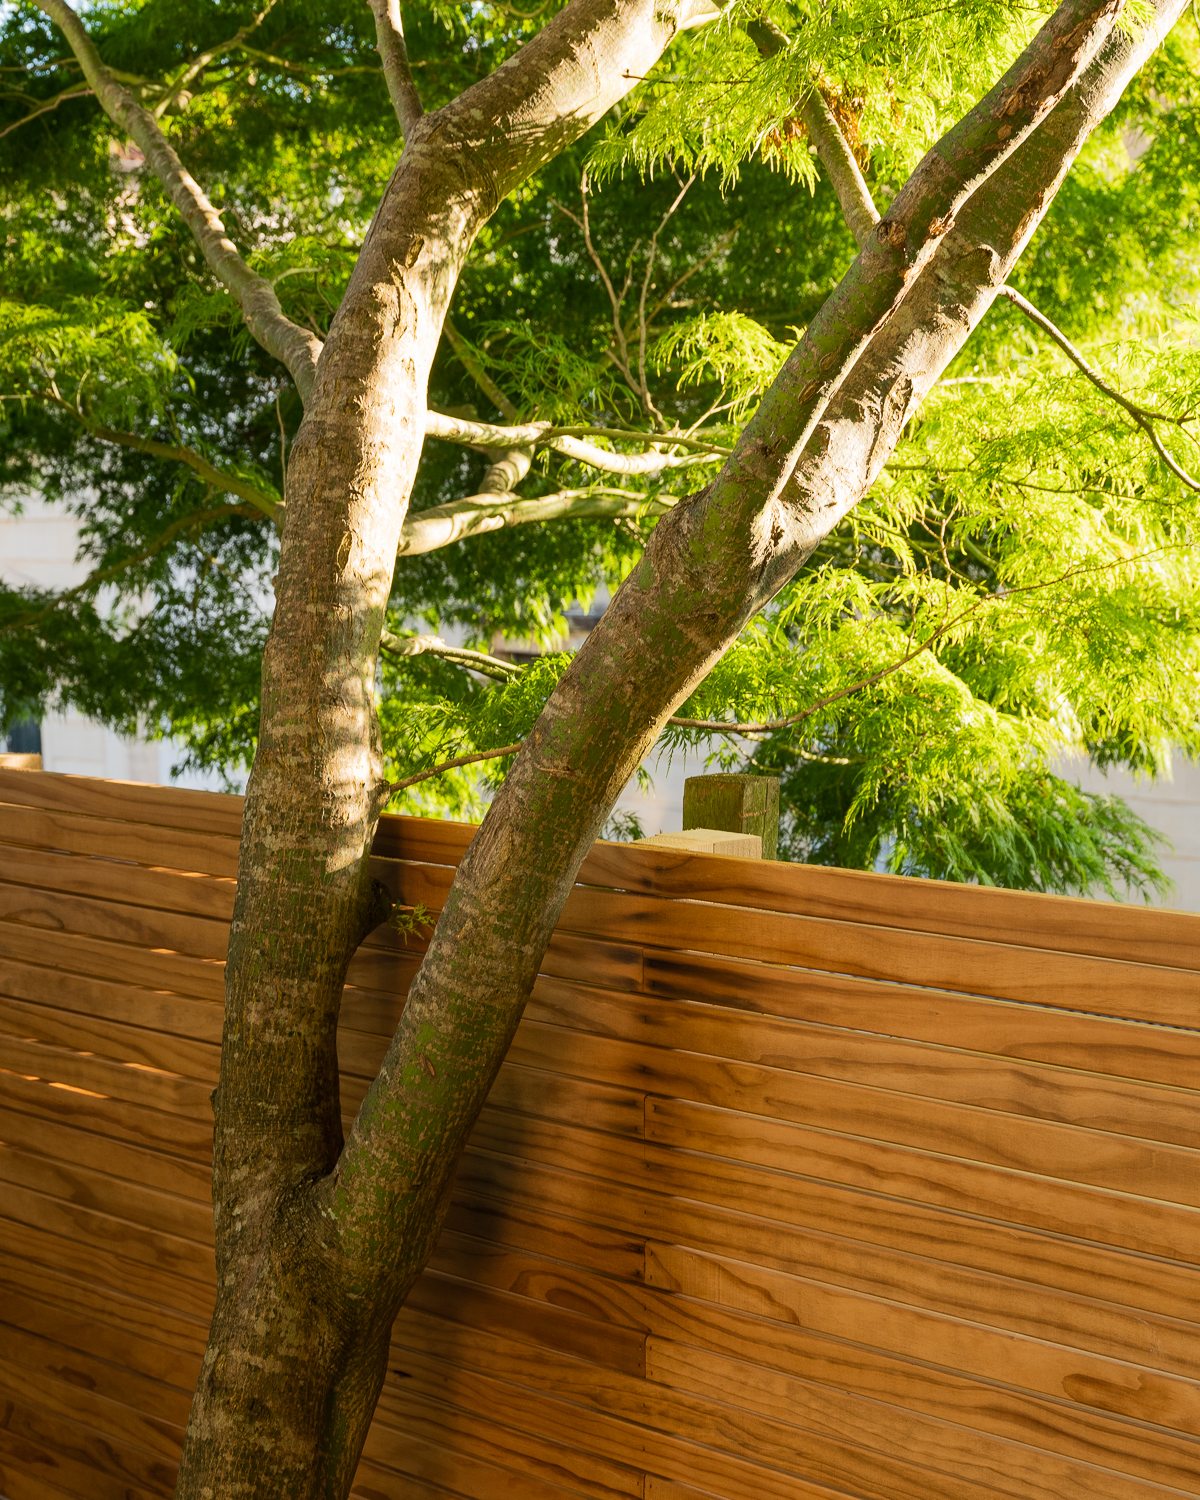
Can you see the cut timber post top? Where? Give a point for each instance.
(710, 841)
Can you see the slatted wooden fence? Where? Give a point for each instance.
(798, 1184)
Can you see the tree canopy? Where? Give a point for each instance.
(1021, 578)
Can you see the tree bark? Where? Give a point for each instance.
(318, 1241)
(306, 1294)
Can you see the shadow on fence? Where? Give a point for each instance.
(798, 1184)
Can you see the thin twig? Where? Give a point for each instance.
(293, 346)
(617, 302)
(451, 765)
(46, 108)
(216, 478)
(652, 411)
(198, 64)
(469, 362)
(1142, 416)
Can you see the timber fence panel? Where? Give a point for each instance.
(797, 1184)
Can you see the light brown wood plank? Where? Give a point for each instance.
(1103, 986)
(588, 1337)
(903, 1173)
(112, 1470)
(1163, 1342)
(786, 1221)
(1038, 1091)
(1127, 1049)
(412, 1454)
(161, 889)
(140, 926)
(130, 801)
(113, 1119)
(133, 1005)
(1098, 986)
(714, 1292)
(92, 1267)
(86, 1227)
(72, 833)
(145, 1087)
(127, 1316)
(76, 1331)
(72, 1400)
(88, 1370)
(592, 1246)
(78, 954)
(1063, 923)
(869, 1447)
(553, 1458)
(615, 1430)
(48, 1138)
(430, 840)
(1170, 1174)
(115, 1040)
(83, 1187)
(832, 1368)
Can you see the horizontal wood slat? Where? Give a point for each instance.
(797, 1184)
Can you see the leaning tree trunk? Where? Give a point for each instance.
(305, 1293)
(318, 1241)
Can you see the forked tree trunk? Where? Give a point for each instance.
(306, 1294)
(319, 1242)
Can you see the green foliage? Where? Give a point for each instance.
(726, 348)
(1025, 535)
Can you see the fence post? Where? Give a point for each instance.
(734, 804)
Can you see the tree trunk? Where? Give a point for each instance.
(305, 1294)
(318, 1241)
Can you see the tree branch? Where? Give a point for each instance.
(460, 656)
(198, 64)
(450, 765)
(651, 410)
(858, 207)
(478, 374)
(475, 515)
(217, 478)
(1142, 417)
(562, 440)
(902, 244)
(295, 347)
(389, 32)
(44, 109)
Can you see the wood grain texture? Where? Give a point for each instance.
(164, 807)
(73, 833)
(1038, 1034)
(82, 955)
(1040, 1091)
(798, 1184)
